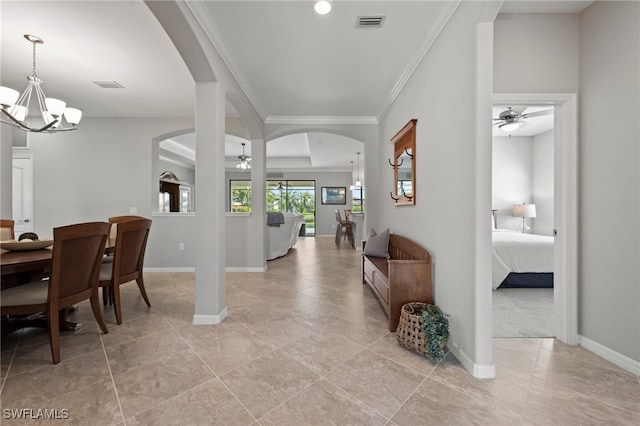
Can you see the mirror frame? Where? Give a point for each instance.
(405, 139)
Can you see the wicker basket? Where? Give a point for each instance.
(410, 331)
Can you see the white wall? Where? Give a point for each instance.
(542, 182)
(445, 172)
(523, 173)
(511, 178)
(101, 170)
(609, 176)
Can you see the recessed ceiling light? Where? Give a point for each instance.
(322, 7)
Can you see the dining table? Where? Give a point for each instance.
(25, 266)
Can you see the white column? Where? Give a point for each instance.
(210, 306)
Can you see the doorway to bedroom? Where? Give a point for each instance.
(565, 204)
(523, 221)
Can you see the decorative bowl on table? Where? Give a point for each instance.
(26, 244)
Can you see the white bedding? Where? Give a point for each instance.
(514, 251)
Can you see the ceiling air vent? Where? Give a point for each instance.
(371, 21)
(275, 175)
(109, 84)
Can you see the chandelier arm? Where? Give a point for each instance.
(23, 126)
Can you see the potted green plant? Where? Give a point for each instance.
(423, 328)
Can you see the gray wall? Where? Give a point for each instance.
(594, 54)
(609, 178)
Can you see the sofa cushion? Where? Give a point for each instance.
(377, 244)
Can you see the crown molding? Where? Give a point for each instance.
(317, 120)
(447, 10)
(203, 17)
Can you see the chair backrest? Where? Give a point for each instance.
(338, 218)
(347, 212)
(115, 220)
(131, 244)
(7, 230)
(75, 267)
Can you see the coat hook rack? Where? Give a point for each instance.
(394, 166)
(409, 197)
(393, 198)
(408, 153)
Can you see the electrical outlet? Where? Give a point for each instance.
(181, 246)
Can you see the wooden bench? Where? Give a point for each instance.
(405, 277)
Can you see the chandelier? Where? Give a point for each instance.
(243, 160)
(15, 106)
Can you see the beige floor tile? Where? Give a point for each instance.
(321, 351)
(268, 381)
(614, 387)
(388, 347)
(94, 404)
(36, 387)
(435, 403)
(210, 403)
(322, 403)
(550, 403)
(194, 334)
(377, 381)
(144, 387)
(144, 350)
(232, 350)
(135, 329)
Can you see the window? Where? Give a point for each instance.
(240, 192)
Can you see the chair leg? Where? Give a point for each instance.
(140, 283)
(53, 318)
(97, 313)
(115, 296)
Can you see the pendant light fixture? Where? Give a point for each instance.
(358, 183)
(352, 185)
(15, 106)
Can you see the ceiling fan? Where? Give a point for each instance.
(243, 160)
(512, 118)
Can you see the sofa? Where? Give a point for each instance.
(283, 236)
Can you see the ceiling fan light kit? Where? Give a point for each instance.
(15, 106)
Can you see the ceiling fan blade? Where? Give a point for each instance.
(538, 113)
(519, 109)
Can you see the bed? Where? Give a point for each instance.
(521, 260)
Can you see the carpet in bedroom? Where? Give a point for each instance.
(523, 312)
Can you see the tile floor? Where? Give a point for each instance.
(305, 343)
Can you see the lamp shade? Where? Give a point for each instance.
(524, 210)
(55, 106)
(72, 115)
(8, 96)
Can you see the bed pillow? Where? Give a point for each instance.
(377, 244)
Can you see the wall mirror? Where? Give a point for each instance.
(404, 165)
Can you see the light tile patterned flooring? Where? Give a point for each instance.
(305, 343)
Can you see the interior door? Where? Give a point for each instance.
(23, 194)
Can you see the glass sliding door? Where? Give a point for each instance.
(295, 196)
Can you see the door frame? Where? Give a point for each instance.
(24, 156)
(565, 259)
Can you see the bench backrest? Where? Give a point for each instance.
(402, 248)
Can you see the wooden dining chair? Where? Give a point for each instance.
(7, 227)
(75, 268)
(128, 260)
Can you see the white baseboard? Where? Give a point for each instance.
(210, 319)
(171, 269)
(479, 371)
(243, 269)
(618, 359)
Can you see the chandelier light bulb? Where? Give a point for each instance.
(322, 7)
